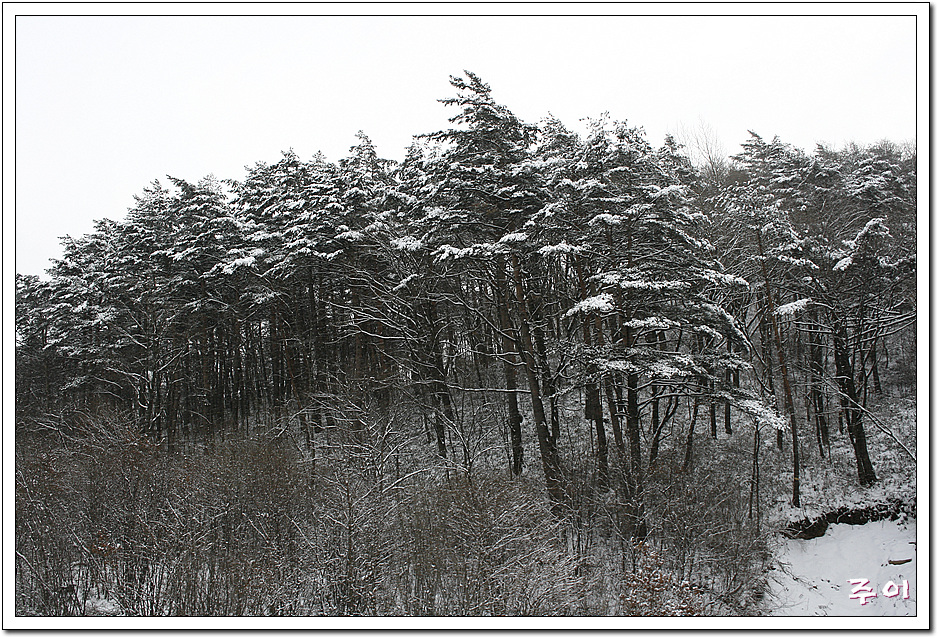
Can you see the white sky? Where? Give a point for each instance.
(105, 105)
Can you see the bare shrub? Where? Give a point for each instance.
(702, 531)
(489, 547)
(109, 521)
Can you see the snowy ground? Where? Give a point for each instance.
(813, 576)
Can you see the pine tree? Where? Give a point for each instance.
(653, 279)
(482, 182)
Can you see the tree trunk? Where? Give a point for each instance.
(816, 368)
(546, 443)
(767, 357)
(850, 405)
(609, 386)
(874, 370)
(594, 406)
(443, 412)
(783, 368)
(727, 425)
(689, 443)
(547, 378)
(713, 413)
(754, 478)
(510, 358)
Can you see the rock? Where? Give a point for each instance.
(807, 528)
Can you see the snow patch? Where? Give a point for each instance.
(96, 606)
(813, 576)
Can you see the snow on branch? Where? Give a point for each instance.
(619, 366)
(642, 284)
(407, 243)
(674, 189)
(403, 284)
(844, 263)
(350, 235)
(650, 323)
(600, 303)
(793, 308)
(606, 218)
(513, 238)
(763, 414)
(562, 248)
(446, 251)
(798, 261)
(237, 263)
(874, 227)
(724, 279)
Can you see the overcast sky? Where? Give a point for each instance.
(105, 105)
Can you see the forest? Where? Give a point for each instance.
(523, 372)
